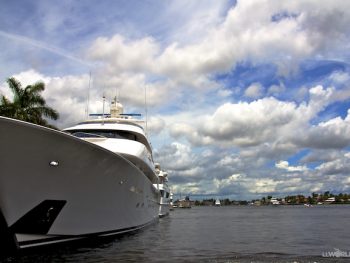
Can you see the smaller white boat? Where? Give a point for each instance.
(274, 201)
(217, 202)
(164, 204)
(308, 205)
(171, 205)
(330, 200)
(184, 203)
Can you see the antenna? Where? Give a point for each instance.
(88, 98)
(116, 94)
(103, 106)
(146, 115)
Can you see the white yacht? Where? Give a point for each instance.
(93, 179)
(274, 201)
(217, 202)
(171, 201)
(164, 206)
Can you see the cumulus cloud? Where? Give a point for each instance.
(241, 124)
(340, 77)
(332, 134)
(285, 166)
(280, 33)
(68, 94)
(155, 124)
(254, 91)
(239, 182)
(177, 157)
(271, 121)
(121, 54)
(276, 89)
(338, 166)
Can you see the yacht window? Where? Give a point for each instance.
(162, 193)
(104, 134)
(115, 134)
(87, 135)
(167, 195)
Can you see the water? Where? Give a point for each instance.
(222, 234)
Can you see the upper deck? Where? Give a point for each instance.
(110, 124)
(115, 125)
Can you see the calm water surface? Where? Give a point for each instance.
(222, 234)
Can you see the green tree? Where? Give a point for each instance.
(28, 104)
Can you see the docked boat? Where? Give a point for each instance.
(217, 202)
(164, 205)
(96, 178)
(274, 201)
(171, 205)
(184, 203)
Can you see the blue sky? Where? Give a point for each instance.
(245, 98)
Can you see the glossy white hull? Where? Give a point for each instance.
(164, 206)
(92, 190)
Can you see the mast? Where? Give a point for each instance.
(88, 97)
(146, 113)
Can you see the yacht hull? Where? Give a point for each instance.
(56, 188)
(164, 208)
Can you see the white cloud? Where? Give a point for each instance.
(247, 33)
(177, 157)
(253, 186)
(67, 95)
(254, 91)
(332, 134)
(123, 55)
(276, 89)
(340, 77)
(338, 166)
(241, 124)
(225, 93)
(269, 121)
(285, 166)
(227, 181)
(155, 125)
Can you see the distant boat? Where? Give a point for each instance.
(164, 206)
(184, 203)
(308, 205)
(274, 201)
(217, 202)
(171, 204)
(330, 200)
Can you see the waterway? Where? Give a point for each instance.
(223, 234)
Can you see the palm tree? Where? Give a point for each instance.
(27, 105)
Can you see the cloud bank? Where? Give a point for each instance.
(255, 102)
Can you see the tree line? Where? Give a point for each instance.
(313, 199)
